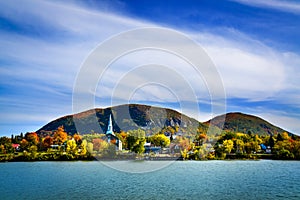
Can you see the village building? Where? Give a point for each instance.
(111, 137)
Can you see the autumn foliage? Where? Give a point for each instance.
(47, 142)
(32, 138)
(60, 136)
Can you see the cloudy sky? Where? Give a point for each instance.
(254, 45)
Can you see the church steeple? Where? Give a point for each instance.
(109, 127)
(111, 136)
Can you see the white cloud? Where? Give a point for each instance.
(152, 66)
(284, 121)
(247, 74)
(285, 6)
(50, 63)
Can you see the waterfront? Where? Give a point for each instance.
(264, 179)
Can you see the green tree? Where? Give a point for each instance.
(33, 152)
(6, 145)
(136, 140)
(296, 149)
(271, 141)
(139, 146)
(110, 151)
(229, 136)
(287, 149)
(251, 147)
(24, 144)
(201, 152)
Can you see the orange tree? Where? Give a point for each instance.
(32, 138)
(60, 136)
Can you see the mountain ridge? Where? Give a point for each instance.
(125, 117)
(241, 122)
(152, 118)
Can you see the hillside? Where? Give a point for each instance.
(239, 122)
(125, 117)
(153, 119)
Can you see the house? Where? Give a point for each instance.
(174, 148)
(57, 146)
(149, 148)
(16, 146)
(268, 150)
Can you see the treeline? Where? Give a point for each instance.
(58, 145)
(230, 145)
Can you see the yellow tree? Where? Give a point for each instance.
(257, 139)
(285, 136)
(160, 140)
(83, 147)
(252, 147)
(239, 146)
(71, 147)
(103, 146)
(90, 147)
(227, 145)
(185, 154)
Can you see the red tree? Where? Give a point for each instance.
(47, 142)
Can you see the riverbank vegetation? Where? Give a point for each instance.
(58, 145)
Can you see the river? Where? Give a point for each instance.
(263, 179)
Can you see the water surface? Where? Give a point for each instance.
(264, 179)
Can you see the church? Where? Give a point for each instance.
(111, 137)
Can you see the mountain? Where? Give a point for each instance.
(124, 117)
(154, 119)
(239, 122)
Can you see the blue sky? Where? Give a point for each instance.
(254, 44)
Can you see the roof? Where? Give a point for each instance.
(15, 145)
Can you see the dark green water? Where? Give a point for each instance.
(180, 180)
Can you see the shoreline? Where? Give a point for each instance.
(64, 157)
